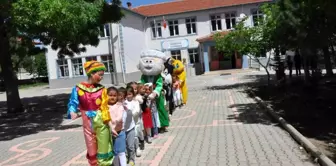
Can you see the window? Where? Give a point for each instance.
(173, 28)
(216, 22)
(176, 54)
(63, 68)
(193, 56)
(77, 67)
(107, 61)
(156, 29)
(104, 30)
(230, 20)
(91, 58)
(191, 25)
(257, 16)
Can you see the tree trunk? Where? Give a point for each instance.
(268, 77)
(327, 61)
(14, 104)
(333, 54)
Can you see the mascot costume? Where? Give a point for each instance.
(181, 74)
(151, 65)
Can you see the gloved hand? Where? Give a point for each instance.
(152, 96)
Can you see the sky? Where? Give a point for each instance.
(142, 2)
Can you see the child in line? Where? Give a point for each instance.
(147, 115)
(130, 124)
(137, 116)
(139, 126)
(134, 85)
(155, 114)
(177, 92)
(117, 111)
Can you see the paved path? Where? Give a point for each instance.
(219, 126)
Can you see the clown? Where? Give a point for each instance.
(91, 99)
(151, 65)
(181, 74)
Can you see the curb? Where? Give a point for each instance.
(321, 158)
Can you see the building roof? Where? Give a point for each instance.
(182, 6)
(132, 11)
(210, 37)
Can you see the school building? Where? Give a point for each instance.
(183, 29)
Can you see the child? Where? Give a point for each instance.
(147, 114)
(117, 111)
(134, 85)
(155, 114)
(139, 135)
(130, 125)
(177, 92)
(140, 126)
(122, 95)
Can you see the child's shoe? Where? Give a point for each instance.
(131, 163)
(156, 136)
(142, 145)
(138, 152)
(149, 140)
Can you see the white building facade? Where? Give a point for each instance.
(185, 35)
(120, 58)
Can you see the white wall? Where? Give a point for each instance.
(133, 39)
(203, 27)
(101, 49)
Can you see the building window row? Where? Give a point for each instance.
(173, 27)
(77, 65)
(230, 19)
(192, 54)
(216, 21)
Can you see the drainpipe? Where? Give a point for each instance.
(111, 48)
(144, 30)
(120, 54)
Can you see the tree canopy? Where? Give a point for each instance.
(65, 25)
(306, 26)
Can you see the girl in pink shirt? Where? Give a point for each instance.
(117, 124)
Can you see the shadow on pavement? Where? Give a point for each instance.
(44, 113)
(248, 113)
(311, 108)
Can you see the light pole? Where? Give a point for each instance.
(114, 77)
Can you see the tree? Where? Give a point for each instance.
(252, 41)
(312, 26)
(36, 65)
(67, 25)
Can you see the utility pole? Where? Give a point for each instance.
(114, 77)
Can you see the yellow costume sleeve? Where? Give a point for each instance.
(104, 107)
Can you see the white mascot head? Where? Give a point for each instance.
(151, 62)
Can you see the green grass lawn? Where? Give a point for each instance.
(27, 86)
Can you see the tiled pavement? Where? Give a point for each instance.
(219, 126)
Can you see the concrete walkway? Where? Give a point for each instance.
(220, 126)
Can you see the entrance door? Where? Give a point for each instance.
(233, 60)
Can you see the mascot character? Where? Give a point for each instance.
(151, 65)
(181, 73)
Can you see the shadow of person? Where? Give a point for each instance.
(48, 114)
